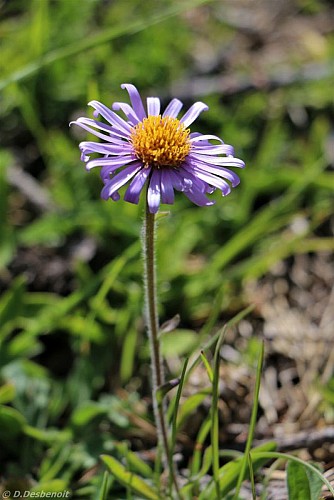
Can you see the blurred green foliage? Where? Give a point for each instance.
(64, 347)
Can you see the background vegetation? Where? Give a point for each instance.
(74, 361)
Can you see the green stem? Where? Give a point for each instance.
(150, 298)
(153, 334)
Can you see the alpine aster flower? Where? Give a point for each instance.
(157, 150)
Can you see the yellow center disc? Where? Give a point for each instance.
(160, 142)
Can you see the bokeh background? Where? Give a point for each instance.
(74, 367)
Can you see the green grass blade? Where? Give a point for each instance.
(315, 484)
(207, 366)
(176, 404)
(272, 217)
(128, 479)
(98, 39)
(11, 302)
(133, 461)
(285, 456)
(214, 413)
(104, 487)
(175, 408)
(297, 482)
(252, 423)
(7, 393)
(49, 318)
(251, 475)
(206, 464)
(230, 472)
(190, 405)
(202, 434)
(212, 341)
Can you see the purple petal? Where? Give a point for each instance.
(213, 180)
(210, 189)
(173, 108)
(98, 147)
(188, 181)
(119, 180)
(179, 182)
(127, 110)
(229, 161)
(190, 116)
(213, 149)
(167, 191)
(115, 196)
(93, 123)
(197, 196)
(153, 106)
(153, 192)
(82, 122)
(107, 171)
(135, 188)
(202, 186)
(220, 171)
(101, 162)
(135, 99)
(186, 172)
(110, 116)
(105, 149)
(197, 137)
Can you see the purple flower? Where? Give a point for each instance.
(157, 150)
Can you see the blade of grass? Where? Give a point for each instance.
(251, 475)
(207, 366)
(104, 487)
(265, 482)
(96, 40)
(252, 424)
(233, 321)
(128, 479)
(202, 435)
(281, 248)
(50, 316)
(191, 404)
(297, 482)
(206, 463)
(127, 465)
(175, 408)
(134, 462)
(268, 219)
(39, 28)
(230, 472)
(286, 456)
(214, 413)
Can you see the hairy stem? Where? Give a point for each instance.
(153, 333)
(153, 327)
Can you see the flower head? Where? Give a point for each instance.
(157, 150)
